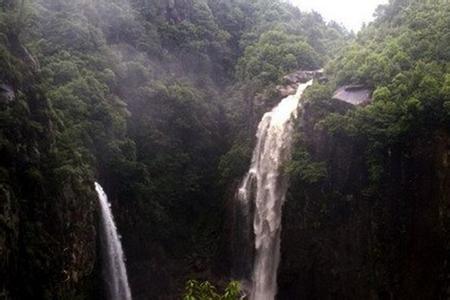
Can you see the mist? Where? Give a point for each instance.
(260, 150)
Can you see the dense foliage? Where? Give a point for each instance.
(195, 290)
(403, 57)
(370, 183)
(152, 99)
(158, 100)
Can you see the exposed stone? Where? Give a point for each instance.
(291, 81)
(342, 241)
(286, 90)
(302, 76)
(354, 94)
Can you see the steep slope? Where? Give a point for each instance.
(146, 98)
(47, 235)
(367, 213)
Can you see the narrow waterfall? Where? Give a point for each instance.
(263, 189)
(114, 270)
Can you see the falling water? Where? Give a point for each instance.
(265, 185)
(114, 269)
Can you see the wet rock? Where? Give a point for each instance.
(342, 240)
(302, 76)
(287, 90)
(291, 81)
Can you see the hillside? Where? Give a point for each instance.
(159, 101)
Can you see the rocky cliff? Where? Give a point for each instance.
(47, 228)
(345, 237)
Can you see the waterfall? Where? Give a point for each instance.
(114, 270)
(263, 191)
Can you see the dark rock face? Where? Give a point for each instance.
(47, 225)
(343, 239)
(47, 228)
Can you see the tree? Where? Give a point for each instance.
(195, 290)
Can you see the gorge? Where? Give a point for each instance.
(345, 196)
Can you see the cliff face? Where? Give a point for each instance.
(47, 233)
(346, 238)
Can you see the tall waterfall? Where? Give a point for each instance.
(114, 269)
(266, 187)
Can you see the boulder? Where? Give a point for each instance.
(302, 76)
(291, 81)
(354, 94)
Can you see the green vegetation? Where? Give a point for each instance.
(205, 291)
(304, 169)
(365, 180)
(159, 100)
(274, 55)
(152, 99)
(402, 57)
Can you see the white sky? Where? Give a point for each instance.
(351, 13)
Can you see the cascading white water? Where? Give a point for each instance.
(265, 185)
(114, 269)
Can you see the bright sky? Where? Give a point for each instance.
(351, 13)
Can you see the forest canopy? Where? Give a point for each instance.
(159, 100)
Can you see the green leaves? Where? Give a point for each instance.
(275, 54)
(402, 58)
(196, 290)
(446, 87)
(304, 168)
